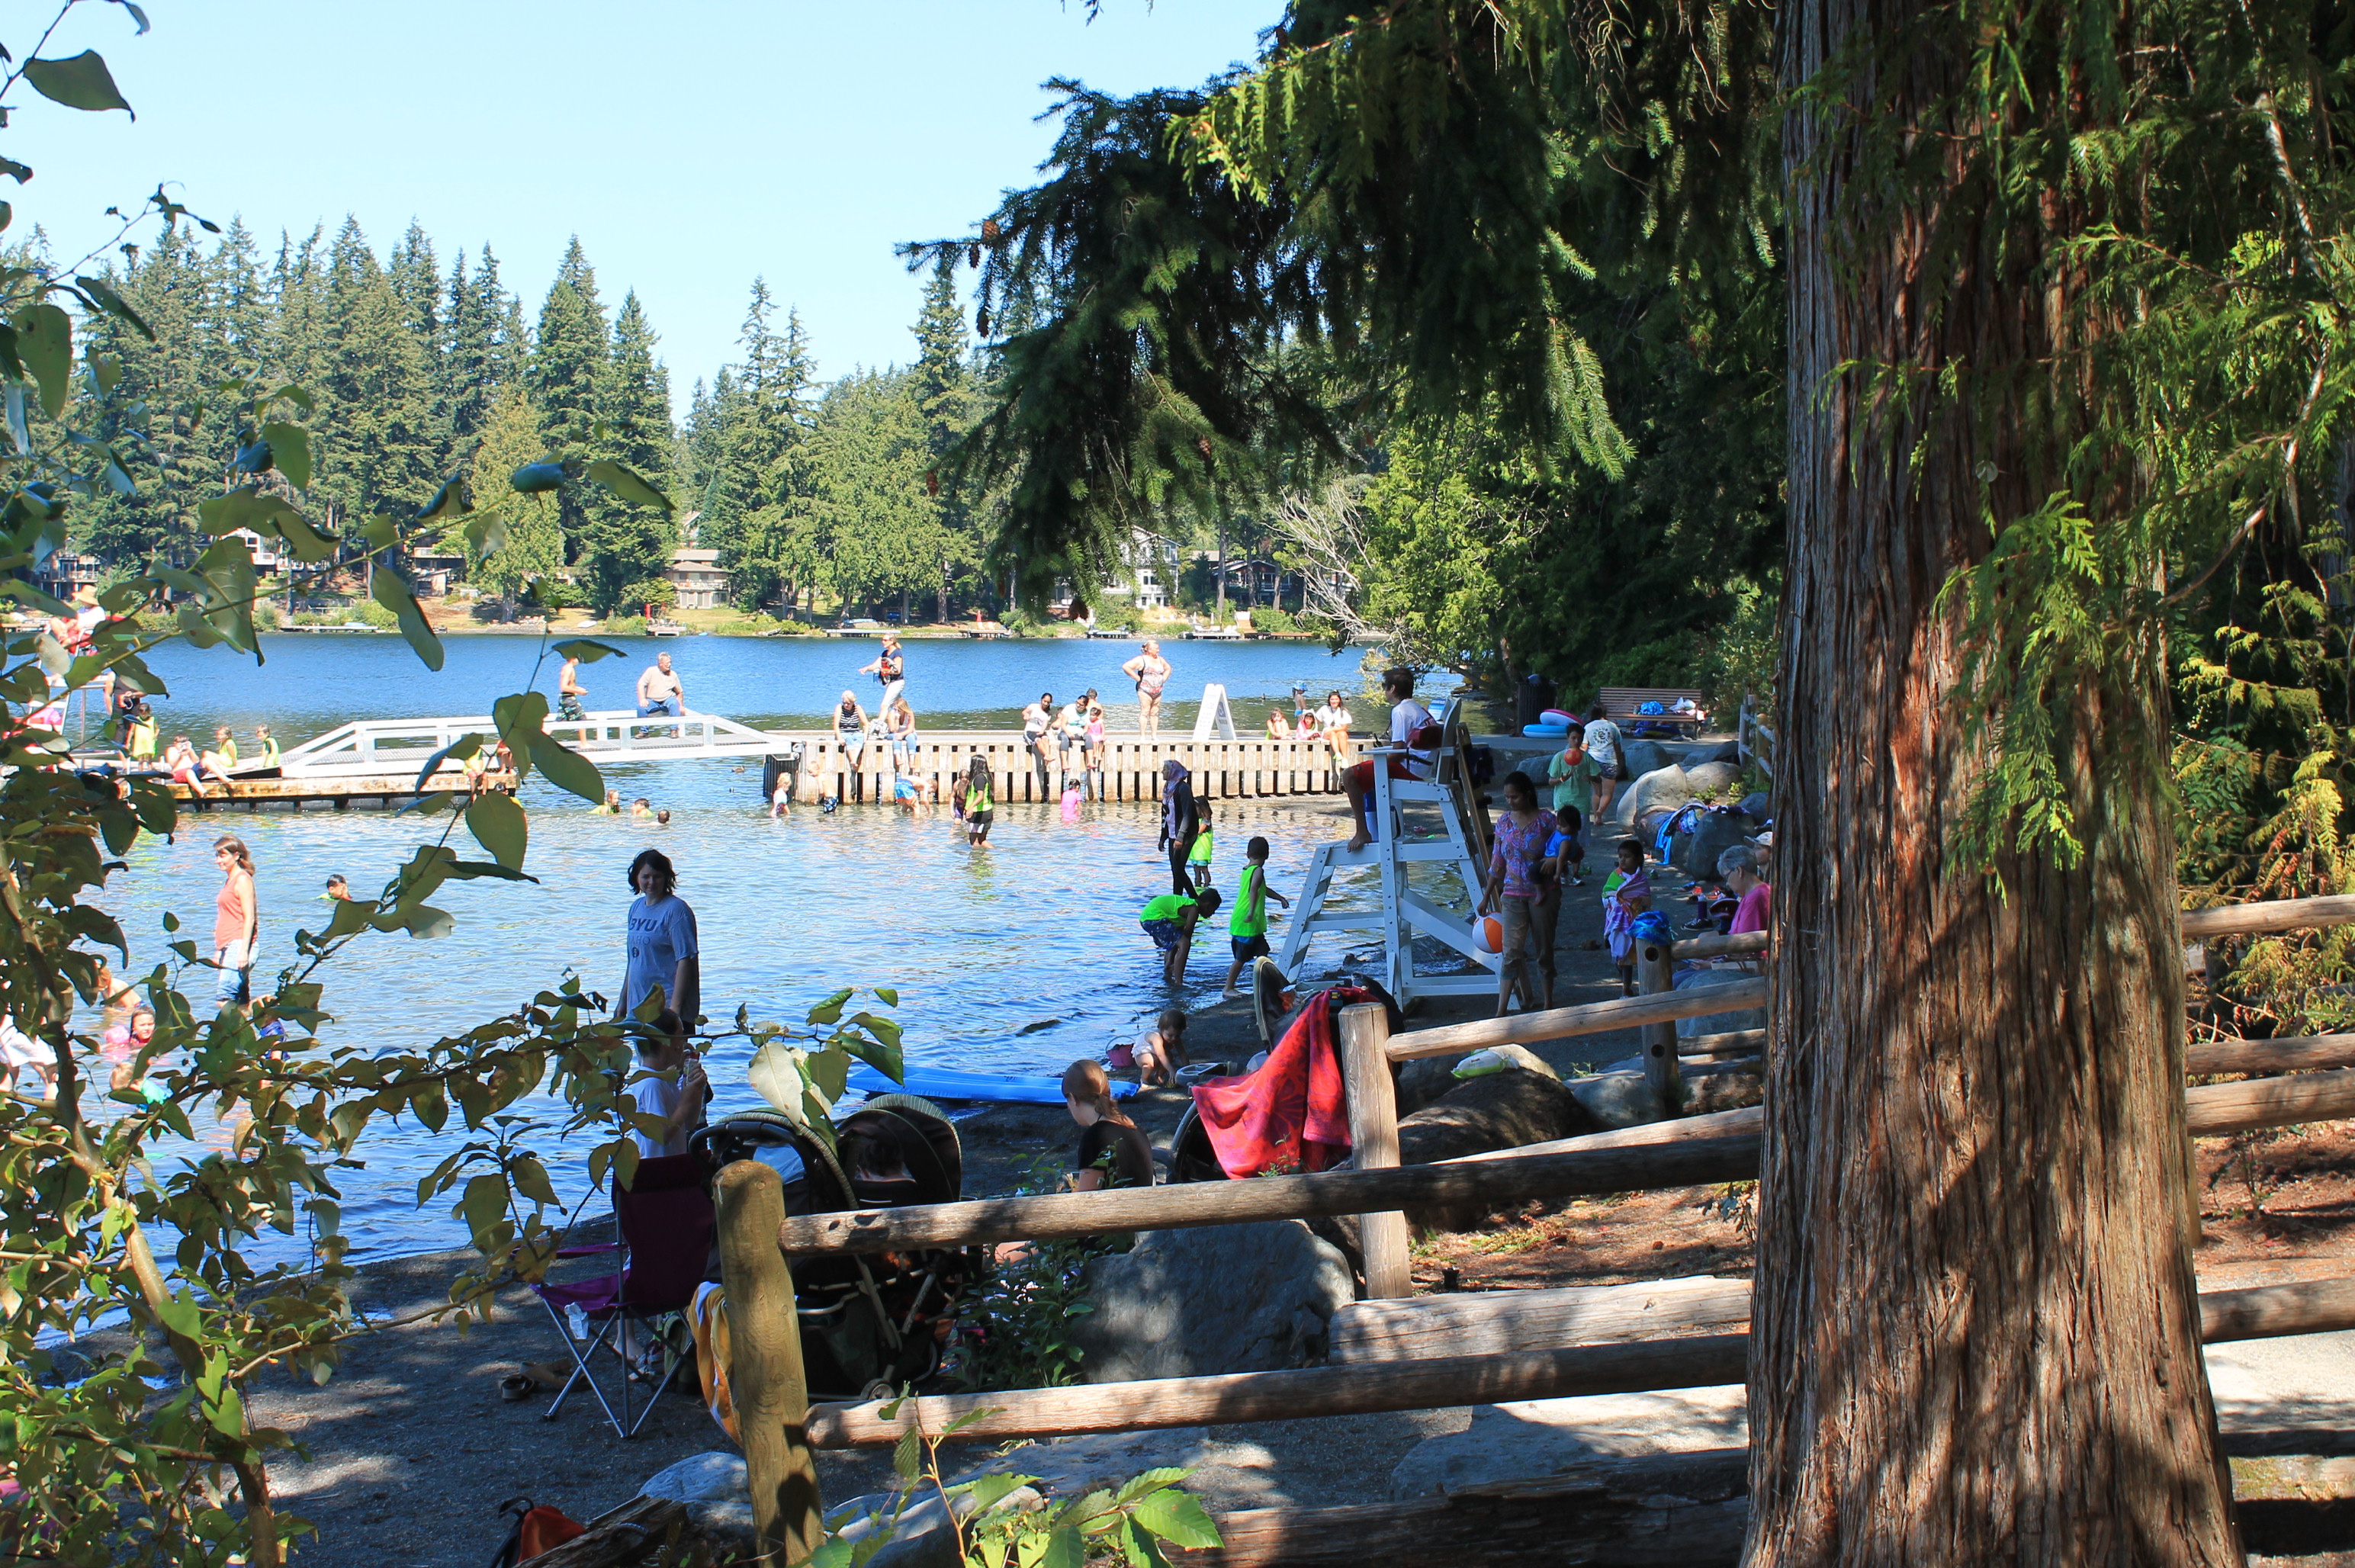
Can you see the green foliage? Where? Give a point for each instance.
(532, 548)
(1136, 1519)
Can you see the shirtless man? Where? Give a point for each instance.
(569, 690)
(660, 688)
(1151, 673)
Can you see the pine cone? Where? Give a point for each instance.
(1202, 445)
(981, 321)
(972, 255)
(990, 231)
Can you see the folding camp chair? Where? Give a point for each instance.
(667, 1226)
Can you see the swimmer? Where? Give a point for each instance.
(642, 806)
(613, 807)
(338, 890)
(122, 1044)
(662, 817)
(781, 803)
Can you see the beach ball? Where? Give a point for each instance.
(1492, 933)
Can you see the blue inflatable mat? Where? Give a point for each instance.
(1545, 732)
(947, 1083)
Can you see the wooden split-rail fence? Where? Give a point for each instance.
(1695, 1339)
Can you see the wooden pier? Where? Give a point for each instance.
(336, 794)
(1222, 770)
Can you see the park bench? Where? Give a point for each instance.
(1624, 700)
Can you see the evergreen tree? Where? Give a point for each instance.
(240, 301)
(566, 369)
(298, 298)
(464, 392)
(379, 447)
(756, 488)
(943, 391)
(163, 388)
(880, 528)
(619, 544)
(534, 547)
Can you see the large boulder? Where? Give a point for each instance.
(1713, 833)
(1221, 1298)
(1712, 778)
(1498, 1110)
(1645, 756)
(1619, 1096)
(1663, 789)
(716, 1490)
(1537, 1437)
(1759, 806)
(1717, 1023)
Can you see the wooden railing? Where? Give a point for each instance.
(780, 1430)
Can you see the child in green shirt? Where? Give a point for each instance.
(1169, 919)
(1247, 927)
(1198, 858)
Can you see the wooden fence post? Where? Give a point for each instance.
(1656, 971)
(1373, 1134)
(764, 1364)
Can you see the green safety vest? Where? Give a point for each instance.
(1240, 923)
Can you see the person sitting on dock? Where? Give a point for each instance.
(900, 723)
(568, 689)
(660, 688)
(1169, 919)
(850, 735)
(266, 747)
(180, 761)
(1278, 727)
(223, 756)
(1037, 725)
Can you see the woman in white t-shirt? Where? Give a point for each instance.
(669, 1083)
(1607, 750)
(1334, 720)
(1405, 762)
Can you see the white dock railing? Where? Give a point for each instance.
(374, 747)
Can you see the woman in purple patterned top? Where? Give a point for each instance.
(1520, 839)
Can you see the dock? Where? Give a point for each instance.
(386, 791)
(360, 759)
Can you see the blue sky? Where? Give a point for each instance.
(691, 145)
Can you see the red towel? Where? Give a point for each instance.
(1293, 1114)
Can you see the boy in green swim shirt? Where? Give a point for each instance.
(1247, 927)
(1198, 858)
(1169, 920)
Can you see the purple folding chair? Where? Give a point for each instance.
(666, 1224)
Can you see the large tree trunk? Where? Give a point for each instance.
(1976, 1338)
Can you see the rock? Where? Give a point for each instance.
(1758, 806)
(1695, 853)
(1717, 1023)
(1225, 1298)
(1424, 1080)
(717, 1493)
(919, 1537)
(1537, 1437)
(1616, 1099)
(1496, 1110)
(1711, 778)
(1645, 757)
(1520, 1056)
(1535, 767)
(1663, 789)
(1723, 1086)
(704, 1476)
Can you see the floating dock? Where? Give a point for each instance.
(336, 794)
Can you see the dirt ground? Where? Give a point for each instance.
(407, 1454)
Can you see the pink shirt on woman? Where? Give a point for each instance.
(1756, 912)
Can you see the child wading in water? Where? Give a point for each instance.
(1626, 894)
(1169, 920)
(1198, 858)
(975, 803)
(1247, 927)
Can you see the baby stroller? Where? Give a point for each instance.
(871, 1324)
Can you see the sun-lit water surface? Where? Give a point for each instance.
(980, 945)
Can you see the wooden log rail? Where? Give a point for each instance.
(2312, 1306)
(1688, 1152)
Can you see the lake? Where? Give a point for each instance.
(1019, 957)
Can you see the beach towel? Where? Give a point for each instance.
(1292, 1112)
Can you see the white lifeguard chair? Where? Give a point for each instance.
(1439, 821)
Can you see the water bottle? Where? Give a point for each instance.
(576, 1320)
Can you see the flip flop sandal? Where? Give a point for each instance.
(516, 1386)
